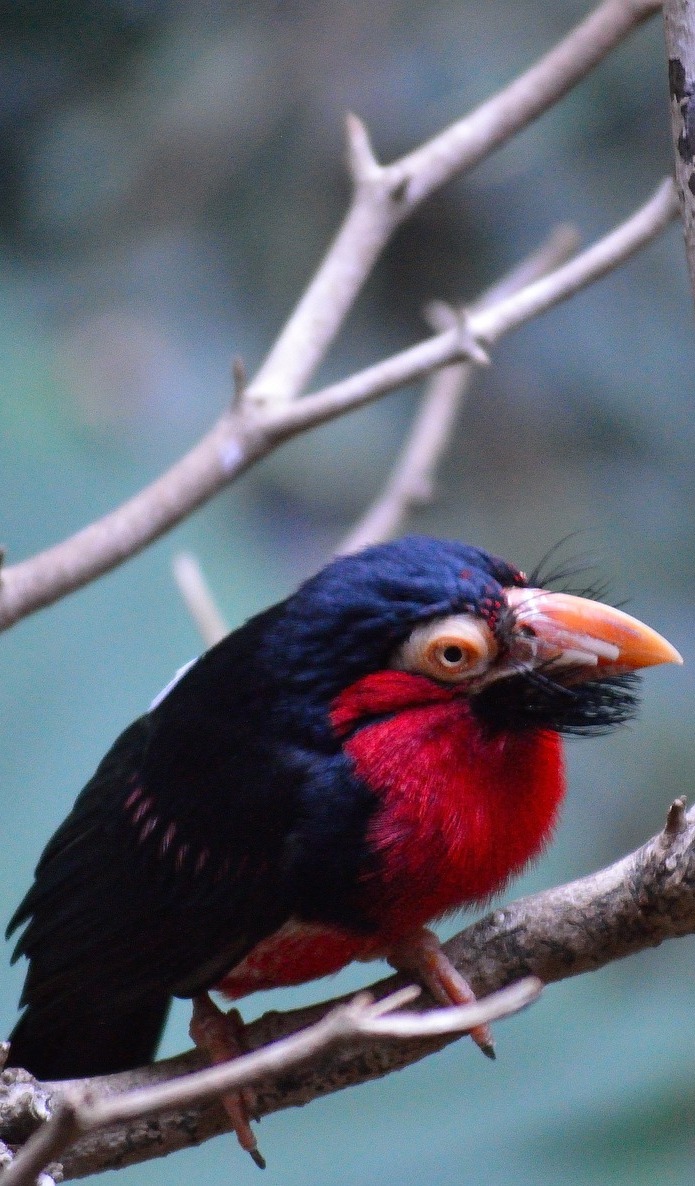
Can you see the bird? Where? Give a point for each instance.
(378, 750)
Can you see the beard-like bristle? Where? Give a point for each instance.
(534, 700)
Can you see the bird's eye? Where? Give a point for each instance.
(450, 649)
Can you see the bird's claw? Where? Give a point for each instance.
(220, 1036)
(421, 956)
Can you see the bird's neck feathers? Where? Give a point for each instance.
(462, 809)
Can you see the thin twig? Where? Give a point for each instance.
(487, 325)
(411, 480)
(358, 1018)
(590, 265)
(79, 1113)
(198, 598)
(238, 440)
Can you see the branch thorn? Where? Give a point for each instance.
(239, 381)
(362, 162)
(676, 822)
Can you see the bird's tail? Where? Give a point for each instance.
(75, 1042)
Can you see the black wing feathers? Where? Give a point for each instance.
(165, 874)
(211, 821)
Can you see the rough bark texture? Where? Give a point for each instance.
(679, 26)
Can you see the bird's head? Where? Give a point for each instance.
(450, 619)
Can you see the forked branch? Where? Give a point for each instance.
(384, 196)
(244, 435)
(412, 479)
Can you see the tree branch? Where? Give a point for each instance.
(81, 1112)
(412, 476)
(198, 598)
(411, 480)
(244, 435)
(485, 326)
(679, 27)
(636, 903)
(384, 196)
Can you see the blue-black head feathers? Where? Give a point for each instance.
(347, 620)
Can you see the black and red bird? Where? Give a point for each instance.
(379, 749)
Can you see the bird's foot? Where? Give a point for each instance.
(220, 1036)
(421, 956)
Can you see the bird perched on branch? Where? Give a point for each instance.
(376, 751)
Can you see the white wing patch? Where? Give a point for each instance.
(172, 683)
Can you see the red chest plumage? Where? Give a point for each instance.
(460, 813)
(462, 810)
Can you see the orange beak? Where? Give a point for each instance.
(562, 630)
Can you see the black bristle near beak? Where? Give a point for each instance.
(571, 576)
(534, 700)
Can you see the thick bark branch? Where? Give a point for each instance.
(81, 1112)
(637, 903)
(248, 433)
(679, 27)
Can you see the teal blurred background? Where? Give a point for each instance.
(169, 175)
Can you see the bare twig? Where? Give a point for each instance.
(679, 27)
(585, 268)
(413, 475)
(386, 195)
(239, 439)
(358, 1018)
(79, 1113)
(411, 480)
(199, 600)
(487, 325)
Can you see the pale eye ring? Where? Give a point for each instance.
(450, 650)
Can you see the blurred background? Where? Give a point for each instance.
(170, 173)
